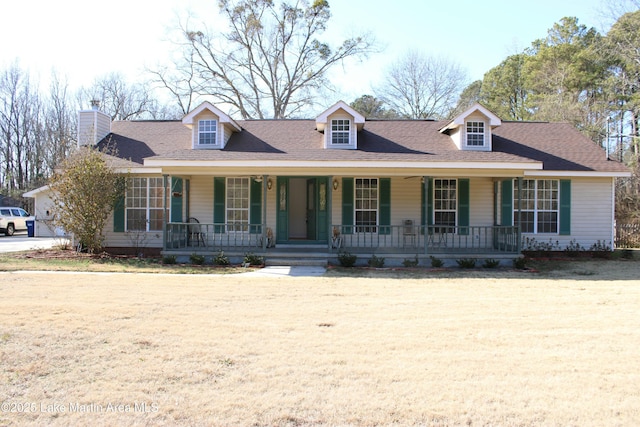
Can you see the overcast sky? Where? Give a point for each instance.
(85, 40)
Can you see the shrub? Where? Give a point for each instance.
(411, 262)
(436, 262)
(346, 259)
(252, 259)
(600, 249)
(573, 248)
(196, 259)
(376, 262)
(169, 259)
(466, 262)
(491, 263)
(536, 248)
(520, 263)
(221, 259)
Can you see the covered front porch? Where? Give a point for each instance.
(319, 217)
(399, 242)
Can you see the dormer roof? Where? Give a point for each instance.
(206, 105)
(321, 120)
(494, 121)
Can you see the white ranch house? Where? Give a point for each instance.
(475, 186)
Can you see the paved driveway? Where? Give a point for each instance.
(20, 242)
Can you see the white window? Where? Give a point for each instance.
(207, 132)
(539, 205)
(144, 204)
(366, 205)
(340, 132)
(238, 204)
(475, 134)
(445, 204)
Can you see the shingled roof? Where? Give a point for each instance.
(558, 146)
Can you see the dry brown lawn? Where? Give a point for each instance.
(477, 348)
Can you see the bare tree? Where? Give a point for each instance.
(179, 80)
(60, 123)
(270, 61)
(119, 99)
(422, 86)
(20, 134)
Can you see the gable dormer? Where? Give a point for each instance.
(210, 127)
(472, 130)
(340, 125)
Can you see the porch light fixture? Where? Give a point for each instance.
(335, 184)
(269, 184)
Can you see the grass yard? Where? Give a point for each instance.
(500, 348)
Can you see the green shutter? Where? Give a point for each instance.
(385, 205)
(463, 207)
(347, 205)
(176, 199)
(118, 214)
(219, 216)
(507, 202)
(565, 207)
(255, 211)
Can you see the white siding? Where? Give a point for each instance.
(481, 201)
(201, 198)
(405, 200)
(43, 211)
(591, 214)
(150, 239)
(93, 125)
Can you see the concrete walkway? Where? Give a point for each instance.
(287, 271)
(20, 242)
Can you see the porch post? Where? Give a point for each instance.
(264, 212)
(186, 196)
(165, 179)
(519, 214)
(330, 208)
(425, 197)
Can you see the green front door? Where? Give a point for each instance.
(302, 210)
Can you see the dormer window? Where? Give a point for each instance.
(207, 130)
(340, 125)
(473, 129)
(475, 134)
(340, 132)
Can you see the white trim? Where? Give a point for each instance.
(578, 174)
(321, 120)
(140, 170)
(262, 164)
(613, 213)
(494, 121)
(206, 105)
(34, 192)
